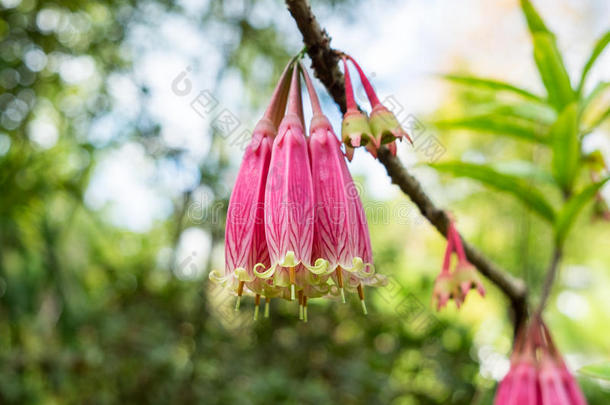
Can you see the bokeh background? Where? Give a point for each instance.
(115, 174)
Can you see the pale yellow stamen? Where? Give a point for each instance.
(340, 283)
(301, 305)
(257, 301)
(267, 299)
(361, 295)
(292, 276)
(240, 291)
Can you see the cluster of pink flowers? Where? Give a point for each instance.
(538, 375)
(457, 283)
(358, 129)
(295, 226)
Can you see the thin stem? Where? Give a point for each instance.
(295, 103)
(551, 275)
(368, 87)
(313, 96)
(448, 252)
(349, 90)
(276, 107)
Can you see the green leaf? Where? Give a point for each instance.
(599, 89)
(493, 85)
(534, 20)
(601, 370)
(552, 70)
(572, 208)
(597, 50)
(537, 113)
(566, 147)
(518, 187)
(501, 125)
(598, 121)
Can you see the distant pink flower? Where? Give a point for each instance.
(444, 286)
(455, 285)
(465, 276)
(537, 375)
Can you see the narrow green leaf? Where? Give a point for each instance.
(597, 50)
(537, 113)
(598, 121)
(518, 187)
(572, 208)
(552, 70)
(501, 125)
(601, 370)
(534, 20)
(597, 90)
(492, 84)
(566, 147)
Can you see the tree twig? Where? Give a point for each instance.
(325, 65)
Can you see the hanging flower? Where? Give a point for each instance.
(355, 129)
(245, 243)
(340, 229)
(538, 374)
(455, 285)
(289, 208)
(444, 285)
(466, 276)
(384, 126)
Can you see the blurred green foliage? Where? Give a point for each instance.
(88, 312)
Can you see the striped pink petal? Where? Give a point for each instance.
(289, 212)
(245, 243)
(331, 232)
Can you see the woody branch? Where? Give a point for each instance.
(325, 65)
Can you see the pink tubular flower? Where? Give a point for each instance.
(455, 285)
(384, 126)
(444, 286)
(465, 276)
(538, 375)
(569, 384)
(520, 385)
(245, 244)
(340, 229)
(289, 206)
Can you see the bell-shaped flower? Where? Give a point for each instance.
(384, 125)
(554, 360)
(340, 230)
(360, 242)
(538, 375)
(245, 242)
(289, 204)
